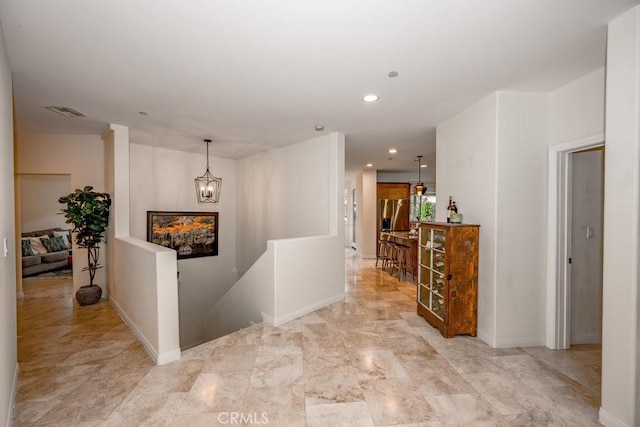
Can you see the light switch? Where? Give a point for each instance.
(591, 232)
(6, 248)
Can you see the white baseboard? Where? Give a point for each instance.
(606, 419)
(12, 401)
(521, 342)
(485, 337)
(158, 359)
(510, 342)
(168, 357)
(281, 320)
(267, 319)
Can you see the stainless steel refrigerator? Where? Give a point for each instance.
(393, 214)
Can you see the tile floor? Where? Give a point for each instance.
(369, 360)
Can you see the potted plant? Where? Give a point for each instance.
(88, 212)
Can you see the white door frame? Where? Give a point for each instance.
(558, 241)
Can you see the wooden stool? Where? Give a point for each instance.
(382, 253)
(387, 250)
(403, 257)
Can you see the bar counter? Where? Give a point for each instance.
(407, 239)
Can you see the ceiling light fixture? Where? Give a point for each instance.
(207, 185)
(419, 188)
(393, 74)
(143, 113)
(65, 111)
(319, 128)
(369, 165)
(393, 151)
(423, 166)
(370, 98)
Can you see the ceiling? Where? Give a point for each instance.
(254, 75)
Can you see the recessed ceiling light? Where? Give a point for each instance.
(423, 166)
(393, 151)
(369, 165)
(65, 111)
(143, 113)
(393, 74)
(370, 98)
(319, 128)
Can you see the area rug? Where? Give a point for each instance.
(63, 273)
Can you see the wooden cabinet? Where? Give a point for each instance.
(392, 190)
(448, 277)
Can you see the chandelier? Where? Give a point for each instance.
(207, 185)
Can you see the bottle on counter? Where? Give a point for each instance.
(450, 209)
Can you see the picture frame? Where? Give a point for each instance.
(190, 234)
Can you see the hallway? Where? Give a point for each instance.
(369, 360)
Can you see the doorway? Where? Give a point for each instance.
(586, 225)
(38, 209)
(354, 218)
(559, 251)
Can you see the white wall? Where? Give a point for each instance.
(142, 276)
(577, 109)
(281, 194)
(79, 156)
(144, 292)
(366, 216)
(249, 301)
(40, 208)
(294, 276)
(620, 354)
(162, 180)
(466, 169)
(8, 339)
(521, 218)
(492, 159)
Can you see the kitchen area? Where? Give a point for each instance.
(399, 210)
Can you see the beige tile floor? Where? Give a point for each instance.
(369, 360)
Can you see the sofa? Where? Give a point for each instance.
(39, 256)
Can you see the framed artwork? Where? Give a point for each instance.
(190, 234)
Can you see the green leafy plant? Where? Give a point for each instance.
(88, 212)
(428, 211)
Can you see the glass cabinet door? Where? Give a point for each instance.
(432, 270)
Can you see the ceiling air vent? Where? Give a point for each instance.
(65, 111)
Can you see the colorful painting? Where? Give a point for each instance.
(190, 234)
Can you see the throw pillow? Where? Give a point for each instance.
(54, 244)
(36, 244)
(65, 235)
(26, 247)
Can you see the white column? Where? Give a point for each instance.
(366, 205)
(621, 242)
(116, 183)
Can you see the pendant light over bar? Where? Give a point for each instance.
(419, 189)
(207, 185)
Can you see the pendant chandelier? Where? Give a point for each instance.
(207, 185)
(419, 188)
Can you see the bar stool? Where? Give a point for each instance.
(403, 260)
(382, 253)
(389, 250)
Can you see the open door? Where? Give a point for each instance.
(586, 222)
